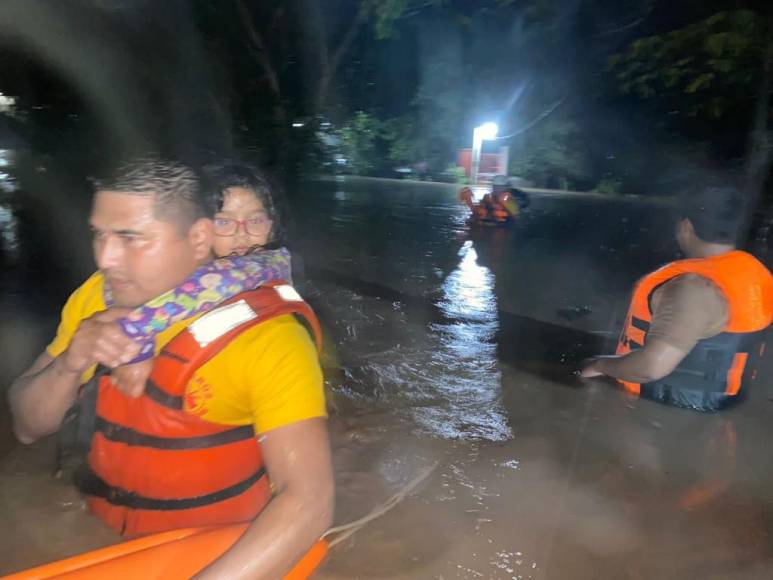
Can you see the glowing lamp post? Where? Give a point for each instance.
(486, 132)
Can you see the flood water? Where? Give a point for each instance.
(457, 347)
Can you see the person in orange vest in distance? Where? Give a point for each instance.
(159, 458)
(487, 203)
(693, 324)
(479, 211)
(497, 206)
(503, 205)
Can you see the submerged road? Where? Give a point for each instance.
(457, 346)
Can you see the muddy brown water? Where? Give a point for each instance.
(457, 347)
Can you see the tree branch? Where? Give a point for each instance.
(315, 20)
(612, 31)
(343, 47)
(261, 53)
(278, 13)
(351, 34)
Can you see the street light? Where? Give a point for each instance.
(486, 132)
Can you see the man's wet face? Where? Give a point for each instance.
(140, 256)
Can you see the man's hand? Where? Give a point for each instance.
(99, 339)
(40, 397)
(591, 369)
(655, 360)
(130, 379)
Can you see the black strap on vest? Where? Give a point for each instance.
(173, 356)
(77, 428)
(91, 484)
(121, 434)
(157, 394)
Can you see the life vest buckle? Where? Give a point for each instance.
(117, 496)
(108, 429)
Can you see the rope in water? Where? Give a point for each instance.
(347, 530)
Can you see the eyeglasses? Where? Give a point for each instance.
(253, 226)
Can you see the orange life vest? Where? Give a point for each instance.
(499, 211)
(712, 374)
(498, 205)
(154, 467)
(509, 204)
(480, 212)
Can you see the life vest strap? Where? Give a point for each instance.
(634, 345)
(173, 356)
(157, 394)
(120, 434)
(91, 484)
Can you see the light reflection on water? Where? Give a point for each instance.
(469, 293)
(431, 359)
(446, 380)
(465, 365)
(10, 242)
(8, 233)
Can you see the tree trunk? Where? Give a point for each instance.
(262, 56)
(330, 65)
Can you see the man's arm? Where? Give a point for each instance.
(684, 310)
(40, 397)
(657, 359)
(297, 458)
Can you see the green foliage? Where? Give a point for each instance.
(373, 146)
(552, 154)
(538, 12)
(610, 185)
(458, 174)
(403, 142)
(359, 139)
(387, 13)
(704, 67)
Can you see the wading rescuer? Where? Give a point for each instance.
(497, 207)
(694, 325)
(235, 396)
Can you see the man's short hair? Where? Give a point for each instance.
(175, 187)
(716, 212)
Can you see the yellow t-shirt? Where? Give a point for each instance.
(268, 376)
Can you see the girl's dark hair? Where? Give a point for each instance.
(218, 178)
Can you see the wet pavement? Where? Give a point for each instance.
(457, 346)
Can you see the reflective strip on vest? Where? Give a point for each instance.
(215, 324)
(221, 320)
